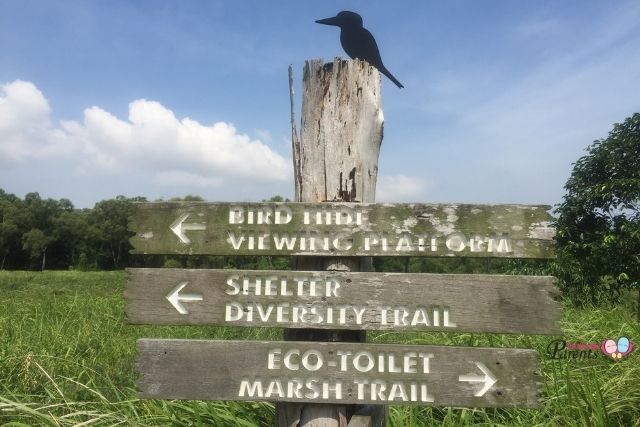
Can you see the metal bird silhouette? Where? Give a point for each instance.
(357, 41)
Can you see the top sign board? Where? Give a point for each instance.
(342, 229)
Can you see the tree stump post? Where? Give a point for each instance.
(335, 159)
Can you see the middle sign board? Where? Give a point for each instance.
(344, 300)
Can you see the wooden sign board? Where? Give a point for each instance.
(339, 300)
(347, 373)
(342, 229)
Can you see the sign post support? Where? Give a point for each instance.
(335, 159)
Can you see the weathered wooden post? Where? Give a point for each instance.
(335, 158)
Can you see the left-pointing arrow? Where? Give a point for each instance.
(176, 299)
(488, 379)
(178, 227)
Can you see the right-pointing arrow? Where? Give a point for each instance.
(488, 379)
(176, 299)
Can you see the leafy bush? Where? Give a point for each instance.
(598, 228)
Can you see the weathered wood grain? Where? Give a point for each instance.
(510, 231)
(345, 373)
(346, 300)
(341, 131)
(335, 158)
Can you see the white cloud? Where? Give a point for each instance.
(186, 179)
(172, 151)
(25, 124)
(264, 135)
(400, 188)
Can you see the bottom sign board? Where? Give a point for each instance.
(328, 372)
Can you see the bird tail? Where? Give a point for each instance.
(386, 72)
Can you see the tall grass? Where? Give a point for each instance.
(66, 359)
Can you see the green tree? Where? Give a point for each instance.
(35, 241)
(187, 198)
(8, 234)
(276, 198)
(38, 233)
(9, 226)
(598, 227)
(71, 232)
(109, 221)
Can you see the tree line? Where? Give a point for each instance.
(37, 233)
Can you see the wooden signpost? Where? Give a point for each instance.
(343, 229)
(339, 300)
(324, 384)
(338, 373)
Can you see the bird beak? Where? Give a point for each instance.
(329, 21)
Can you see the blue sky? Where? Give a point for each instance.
(166, 98)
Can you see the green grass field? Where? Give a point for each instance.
(66, 358)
